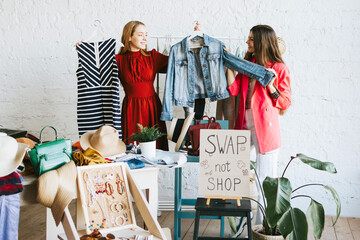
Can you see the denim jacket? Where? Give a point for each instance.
(184, 73)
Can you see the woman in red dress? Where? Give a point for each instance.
(137, 71)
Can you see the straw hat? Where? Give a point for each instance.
(56, 189)
(282, 45)
(27, 141)
(178, 130)
(11, 154)
(105, 140)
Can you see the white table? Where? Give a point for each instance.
(146, 178)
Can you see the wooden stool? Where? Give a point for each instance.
(219, 207)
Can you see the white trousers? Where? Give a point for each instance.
(266, 163)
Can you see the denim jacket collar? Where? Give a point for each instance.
(185, 42)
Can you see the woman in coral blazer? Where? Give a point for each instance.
(259, 107)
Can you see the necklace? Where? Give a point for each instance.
(91, 190)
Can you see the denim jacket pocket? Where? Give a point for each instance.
(181, 69)
(213, 57)
(181, 63)
(216, 71)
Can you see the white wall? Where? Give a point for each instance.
(38, 82)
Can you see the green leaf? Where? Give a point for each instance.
(337, 201)
(317, 218)
(285, 223)
(294, 222)
(232, 224)
(252, 165)
(277, 193)
(300, 231)
(317, 164)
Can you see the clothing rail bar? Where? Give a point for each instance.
(219, 38)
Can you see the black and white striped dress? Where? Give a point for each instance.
(98, 86)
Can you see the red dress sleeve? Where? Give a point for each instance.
(118, 62)
(160, 61)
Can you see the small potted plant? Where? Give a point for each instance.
(147, 138)
(281, 219)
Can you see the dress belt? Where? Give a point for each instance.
(140, 89)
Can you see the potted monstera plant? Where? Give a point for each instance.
(281, 219)
(147, 138)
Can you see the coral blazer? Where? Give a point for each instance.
(264, 108)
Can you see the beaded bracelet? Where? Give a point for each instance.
(276, 94)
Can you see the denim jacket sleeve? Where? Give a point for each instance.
(167, 108)
(243, 66)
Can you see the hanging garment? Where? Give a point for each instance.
(98, 86)
(225, 107)
(200, 74)
(10, 188)
(141, 104)
(9, 216)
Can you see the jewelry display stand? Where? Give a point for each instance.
(105, 195)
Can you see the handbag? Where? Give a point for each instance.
(48, 156)
(194, 133)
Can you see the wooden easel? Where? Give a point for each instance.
(208, 198)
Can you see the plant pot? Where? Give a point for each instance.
(148, 149)
(259, 236)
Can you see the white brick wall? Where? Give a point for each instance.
(38, 82)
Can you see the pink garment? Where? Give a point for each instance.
(265, 110)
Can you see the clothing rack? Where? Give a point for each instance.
(219, 38)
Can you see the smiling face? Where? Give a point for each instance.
(138, 40)
(250, 43)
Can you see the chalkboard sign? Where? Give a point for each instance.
(224, 163)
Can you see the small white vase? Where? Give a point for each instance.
(148, 149)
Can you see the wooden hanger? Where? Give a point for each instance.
(196, 33)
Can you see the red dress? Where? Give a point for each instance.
(141, 103)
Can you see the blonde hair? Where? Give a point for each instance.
(128, 31)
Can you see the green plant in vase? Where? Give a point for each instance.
(146, 137)
(146, 134)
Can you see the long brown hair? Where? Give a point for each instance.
(128, 31)
(266, 46)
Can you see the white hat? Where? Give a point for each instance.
(105, 140)
(11, 154)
